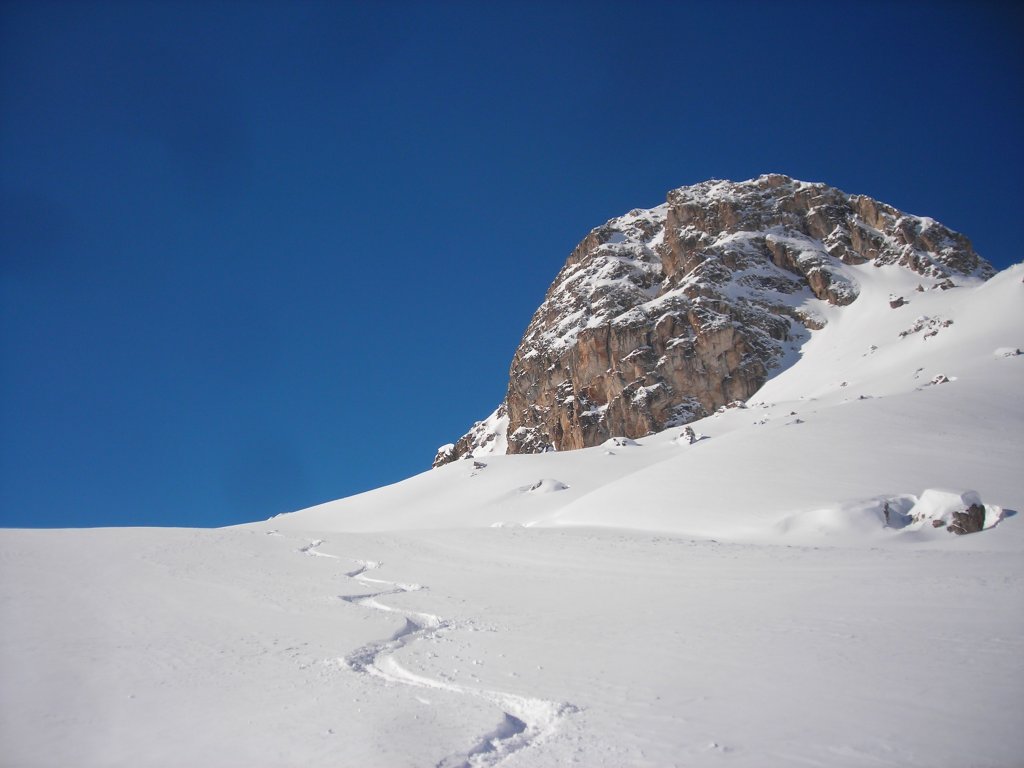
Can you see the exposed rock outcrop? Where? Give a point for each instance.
(663, 315)
(485, 437)
(971, 520)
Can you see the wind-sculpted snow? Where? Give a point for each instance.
(524, 720)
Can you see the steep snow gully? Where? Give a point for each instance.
(524, 720)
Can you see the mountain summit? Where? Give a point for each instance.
(663, 315)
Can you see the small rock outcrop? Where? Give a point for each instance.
(483, 438)
(663, 315)
(971, 520)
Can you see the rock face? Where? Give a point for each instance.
(661, 316)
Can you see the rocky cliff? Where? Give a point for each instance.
(663, 315)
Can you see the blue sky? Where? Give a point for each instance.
(256, 256)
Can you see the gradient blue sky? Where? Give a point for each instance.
(260, 255)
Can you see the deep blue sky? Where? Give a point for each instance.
(257, 256)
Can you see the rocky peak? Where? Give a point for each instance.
(663, 315)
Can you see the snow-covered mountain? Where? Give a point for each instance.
(779, 581)
(897, 392)
(661, 316)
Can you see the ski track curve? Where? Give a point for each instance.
(525, 720)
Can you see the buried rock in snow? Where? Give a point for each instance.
(959, 513)
(688, 437)
(546, 485)
(970, 521)
(620, 442)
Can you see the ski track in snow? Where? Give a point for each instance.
(525, 720)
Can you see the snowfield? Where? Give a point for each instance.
(779, 589)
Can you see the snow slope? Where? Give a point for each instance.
(735, 597)
(510, 646)
(856, 417)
